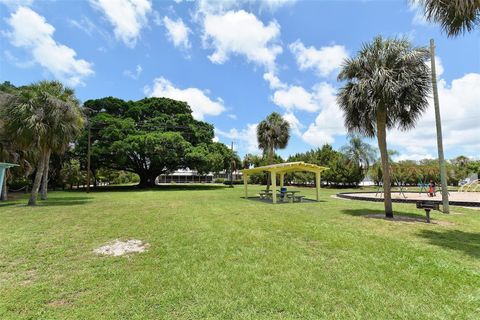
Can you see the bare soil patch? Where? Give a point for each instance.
(120, 248)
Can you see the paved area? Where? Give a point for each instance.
(455, 198)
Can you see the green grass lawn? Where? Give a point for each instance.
(215, 255)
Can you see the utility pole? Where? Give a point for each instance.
(438, 121)
(88, 155)
(231, 170)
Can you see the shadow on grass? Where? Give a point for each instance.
(64, 201)
(468, 242)
(380, 214)
(172, 187)
(8, 204)
(369, 212)
(269, 201)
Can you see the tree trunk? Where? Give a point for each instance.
(4, 195)
(382, 145)
(44, 189)
(36, 183)
(147, 180)
(270, 161)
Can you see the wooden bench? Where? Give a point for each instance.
(428, 206)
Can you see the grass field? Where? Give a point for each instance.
(214, 255)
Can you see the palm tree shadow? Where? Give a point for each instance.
(380, 214)
(468, 242)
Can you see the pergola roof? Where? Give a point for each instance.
(286, 167)
(7, 165)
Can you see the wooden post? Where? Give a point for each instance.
(245, 185)
(282, 176)
(317, 184)
(274, 186)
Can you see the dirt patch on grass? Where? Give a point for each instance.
(59, 303)
(120, 248)
(398, 218)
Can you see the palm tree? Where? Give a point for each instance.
(455, 16)
(45, 117)
(360, 153)
(272, 133)
(387, 85)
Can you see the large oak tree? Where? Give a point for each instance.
(150, 137)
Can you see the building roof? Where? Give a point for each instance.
(286, 167)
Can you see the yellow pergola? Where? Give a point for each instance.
(281, 169)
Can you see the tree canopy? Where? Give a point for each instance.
(150, 137)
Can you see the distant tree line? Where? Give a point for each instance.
(45, 129)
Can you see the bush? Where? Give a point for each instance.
(228, 182)
(18, 184)
(219, 180)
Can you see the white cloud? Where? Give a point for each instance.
(413, 156)
(32, 32)
(295, 97)
(295, 124)
(128, 17)
(216, 6)
(329, 122)
(134, 74)
(460, 113)
(198, 99)
(324, 61)
(90, 28)
(245, 139)
(273, 81)
(177, 32)
(17, 62)
(418, 13)
(241, 33)
(438, 66)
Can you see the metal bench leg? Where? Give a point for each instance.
(427, 211)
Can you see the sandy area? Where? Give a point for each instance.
(454, 196)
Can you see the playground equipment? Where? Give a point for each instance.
(472, 186)
(401, 186)
(3, 167)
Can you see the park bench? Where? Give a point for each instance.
(427, 206)
(294, 198)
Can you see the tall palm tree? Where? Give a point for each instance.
(455, 16)
(359, 152)
(272, 133)
(45, 117)
(387, 85)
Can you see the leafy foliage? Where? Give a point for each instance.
(455, 16)
(150, 137)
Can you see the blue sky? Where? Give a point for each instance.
(237, 61)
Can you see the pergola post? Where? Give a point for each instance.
(274, 186)
(317, 184)
(282, 176)
(245, 185)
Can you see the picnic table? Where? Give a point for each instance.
(289, 195)
(292, 197)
